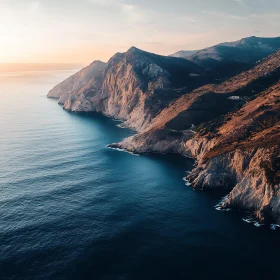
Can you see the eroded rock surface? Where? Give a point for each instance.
(236, 143)
(232, 129)
(134, 86)
(77, 82)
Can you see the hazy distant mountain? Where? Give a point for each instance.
(184, 54)
(233, 57)
(246, 50)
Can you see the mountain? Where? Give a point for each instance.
(133, 86)
(184, 54)
(232, 131)
(176, 106)
(77, 82)
(231, 58)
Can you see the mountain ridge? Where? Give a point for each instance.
(133, 86)
(177, 106)
(233, 57)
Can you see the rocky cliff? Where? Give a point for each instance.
(244, 155)
(133, 86)
(230, 128)
(74, 84)
(232, 131)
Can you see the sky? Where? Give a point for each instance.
(80, 31)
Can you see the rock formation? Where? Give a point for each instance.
(231, 129)
(77, 82)
(235, 143)
(134, 86)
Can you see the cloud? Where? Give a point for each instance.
(241, 3)
(132, 12)
(190, 19)
(102, 2)
(219, 14)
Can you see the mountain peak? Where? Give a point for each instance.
(134, 50)
(97, 62)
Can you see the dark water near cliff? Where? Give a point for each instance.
(70, 208)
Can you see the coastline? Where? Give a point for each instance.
(235, 144)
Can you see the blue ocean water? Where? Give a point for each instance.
(71, 208)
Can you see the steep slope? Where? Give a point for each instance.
(236, 144)
(205, 104)
(232, 128)
(244, 155)
(77, 81)
(136, 85)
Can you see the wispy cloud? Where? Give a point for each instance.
(219, 14)
(132, 12)
(189, 19)
(241, 3)
(103, 2)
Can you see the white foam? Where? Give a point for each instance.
(123, 150)
(220, 204)
(187, 182)
(121, 125)
(274, 226)
(257, 224)
(252, 220)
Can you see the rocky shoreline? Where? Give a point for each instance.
(231, 129)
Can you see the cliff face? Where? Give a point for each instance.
(76, 83)
(245, 156)
(231, 129)
(235, 145)
(210, 104)
(134, 86)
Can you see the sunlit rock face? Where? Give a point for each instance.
(133, 86)
(235, 140)
(231, 128)
(76, 82)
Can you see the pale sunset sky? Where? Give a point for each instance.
(80, 31)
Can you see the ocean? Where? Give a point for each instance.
(71, 208)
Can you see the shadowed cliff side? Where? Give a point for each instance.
(135, 86)
(74, 84)
(230, 128)
(235, 142)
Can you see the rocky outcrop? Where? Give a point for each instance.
(245, 156)
(135, 86)
(77, 82)
(235, 145)
(231, 129)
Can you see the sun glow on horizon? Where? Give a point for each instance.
(82, 31)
